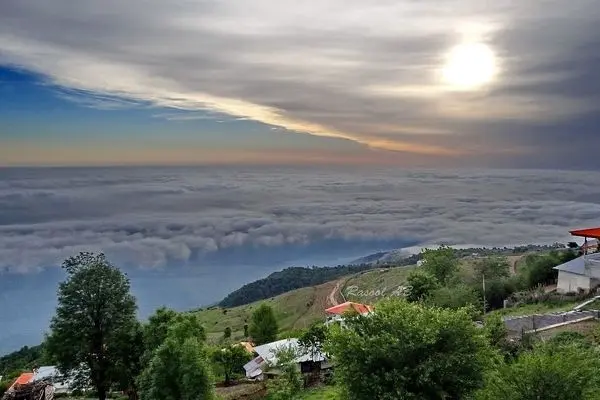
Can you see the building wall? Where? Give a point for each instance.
(570, 282)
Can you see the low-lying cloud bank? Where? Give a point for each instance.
(201, 217)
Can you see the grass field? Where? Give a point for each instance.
(297, 309)
(372, 286)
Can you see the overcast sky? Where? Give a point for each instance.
(336, 81)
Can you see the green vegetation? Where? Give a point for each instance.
(420, 285)
(95, 311)
(263, 325)
(230, 360)
(22, 360)
(409, 351)
(179, 368)
(287, 280)
(322, 393)
(288, 385)
(442, 263)
(551, 373)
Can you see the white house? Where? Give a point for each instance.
(267, 358)
(582, 273)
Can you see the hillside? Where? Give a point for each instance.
(288, 279)
(298, 309)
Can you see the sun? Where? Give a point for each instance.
(469, 66)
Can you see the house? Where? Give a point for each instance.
(582, 273)
(336, 313)
(266, 359)
(46, 373)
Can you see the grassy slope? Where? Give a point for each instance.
(294, 310)
(299, 308)
(371, 286)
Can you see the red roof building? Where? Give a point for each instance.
(349, 306)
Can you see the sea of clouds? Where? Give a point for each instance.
(189, 236)
(157, 217)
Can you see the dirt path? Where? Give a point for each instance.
(513, 260)
(332, 298)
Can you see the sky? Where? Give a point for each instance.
(188, 236)
(428, 83)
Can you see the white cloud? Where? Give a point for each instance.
(338, 68)
(161, 217)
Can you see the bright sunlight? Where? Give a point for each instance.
(469, 66)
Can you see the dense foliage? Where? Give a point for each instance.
(410, 351)
(230, 360)
(442, 263)
(22, 360)
(179, 368)
(95, 311)
(263, 325)
(288, 385)
(420, 284)
(286, 280)
(567, 372)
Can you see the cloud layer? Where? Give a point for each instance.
(365, 71)
(207, 217)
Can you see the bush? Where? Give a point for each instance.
(549, 373)
(409, 351)
(420, 284)
(454, 297)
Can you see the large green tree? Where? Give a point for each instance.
(157, 328)
(94, 310)
(263, 325)
(441, 263)
(409, 351)
(230, 360)
(420, 284)
(178, 371)
(565, 372)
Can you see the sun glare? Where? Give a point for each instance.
(469, 66)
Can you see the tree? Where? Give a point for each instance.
(227, 333)
(178, 370)
(454, 297)
(157, 328)
(495, 330)
(130, 351)
(551, 373)
(441, 263)
(420, 284)
(289, 383)
(409, 351)
(312, 341)
(231, 360)
(94, 309)
(492, 268)
(539, 269)
(263, 325)
(246, 330)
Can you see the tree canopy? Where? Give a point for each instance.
(94, 310)
(420, 284)
(568, 372)
(179, 370)
(441, 263)
(263, 325)
(409, 351)
(230, 360)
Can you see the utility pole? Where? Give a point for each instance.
(484, 300)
